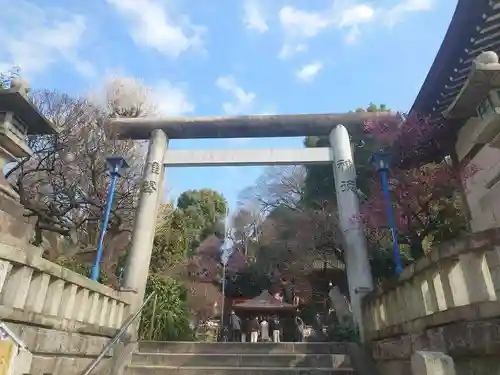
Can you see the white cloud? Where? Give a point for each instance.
(399, 11)
(124, 91)
(243, 101)
(355, 15)
(308, 72)
(302, 25)
(254, 18)
(299, 26)
(153, 25)
(35, 38)
(171, 100)
(290, 50)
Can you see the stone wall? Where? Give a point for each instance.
(13, 222)
(483, 189)
(64, 318)
(446, 302)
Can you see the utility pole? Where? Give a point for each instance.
(224, 264)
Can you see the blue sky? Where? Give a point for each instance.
(216, 57)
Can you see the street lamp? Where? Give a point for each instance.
(380, 160)
(115, 165)
(224, 263)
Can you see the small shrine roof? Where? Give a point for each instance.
(264, 301)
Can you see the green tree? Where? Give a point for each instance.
(203, 212)
(180, 231)
(186, 249)
(170, 245)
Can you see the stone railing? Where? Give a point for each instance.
(35, 290)
(435, 302)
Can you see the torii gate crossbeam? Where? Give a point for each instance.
(268, 126)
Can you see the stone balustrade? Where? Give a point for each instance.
(65, 319)
(36, 290)
(447, 302)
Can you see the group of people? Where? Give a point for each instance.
(258, 328)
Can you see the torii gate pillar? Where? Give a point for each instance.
(139, 257)
(359, 275)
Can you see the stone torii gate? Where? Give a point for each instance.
(160, 131)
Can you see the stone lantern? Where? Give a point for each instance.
(18, 118)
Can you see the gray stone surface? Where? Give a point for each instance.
(270, 156)
(13, 223)
(237, 348)
(15, 100)
(240, 358)
(432, 363)
(468, 333)
(340, 304)
(160, 370)
(446, 251)
(139, 256)
(57, 352)
(71, 365)
(243, 126)
(64, 319)
(359, 275)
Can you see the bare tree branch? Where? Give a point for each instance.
(68, 197)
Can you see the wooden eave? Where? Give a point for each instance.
(474, 28)
(482, 78)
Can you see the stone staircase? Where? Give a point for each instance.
(200, 358)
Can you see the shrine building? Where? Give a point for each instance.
(462, 90)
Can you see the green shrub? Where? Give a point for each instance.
(84, 269)
(168, 318)
(345, 331)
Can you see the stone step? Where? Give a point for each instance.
(242, 360)
(162, 370)
(243, 348)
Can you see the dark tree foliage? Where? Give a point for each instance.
(248, 283)
(319, 182)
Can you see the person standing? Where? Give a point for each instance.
(264, 330)
(299, 323)
(244, 329)
(276, 329)
(235, 324)
(254, 329)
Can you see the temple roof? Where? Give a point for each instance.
(474, 29)
(265, 301)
